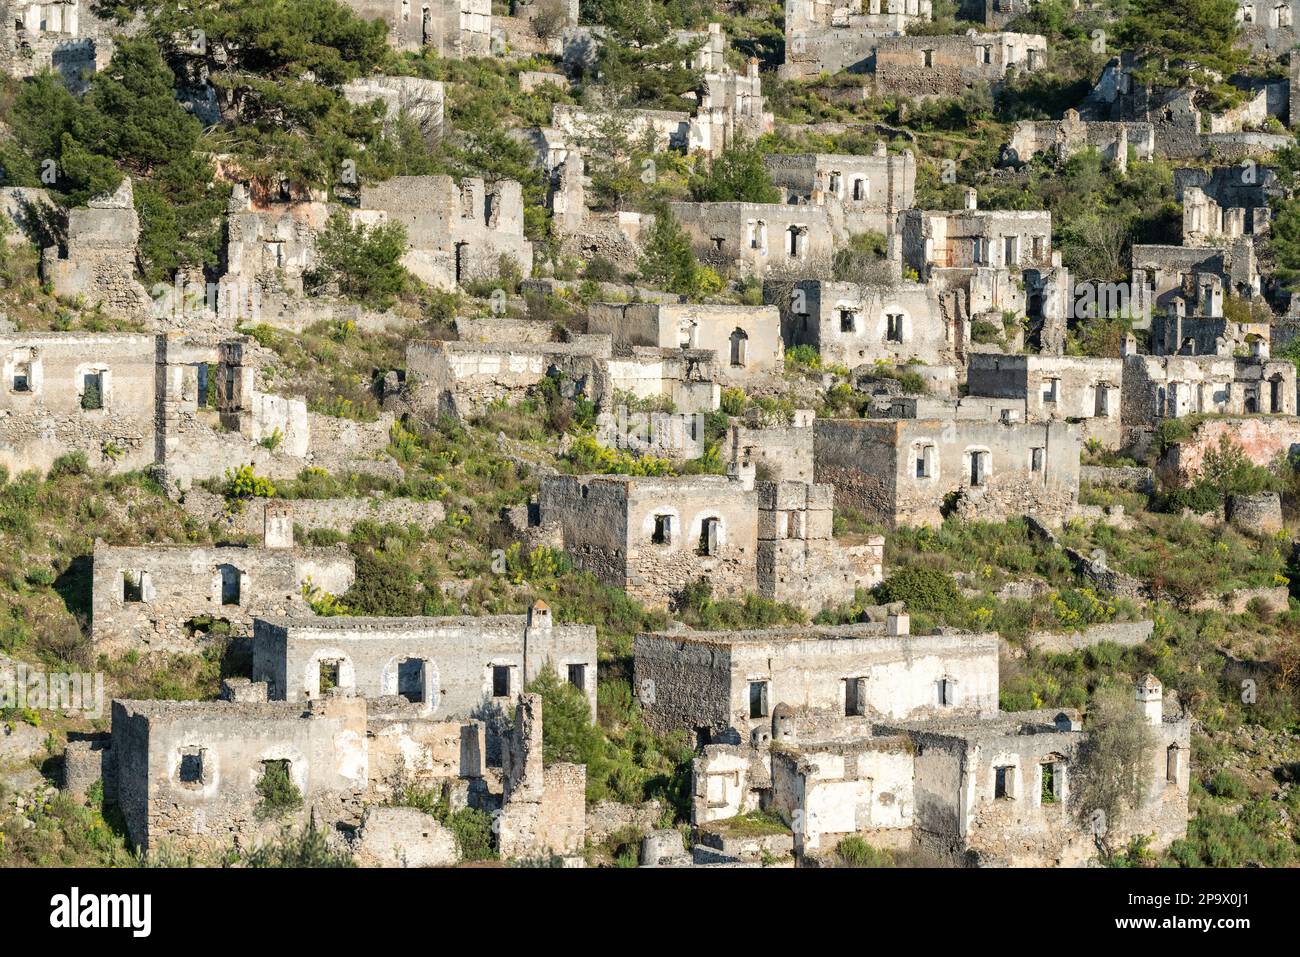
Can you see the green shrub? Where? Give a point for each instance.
(921, 589)
(279, 795)
(70, 463)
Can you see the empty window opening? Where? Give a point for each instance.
(1011, 250)
(92, 391)
(578, 676)
(925, 461)
(190, 771)
(710, 534)
(500, 681)
(1051, 390)
(329, 674)
(22, 381)
(927, 58)
(758, 699)
(835, 183)
(739, 348)
(859, 189)
(132, 587)
(855, 697)
(986, 54)
(894, 327)
(1050, 791)
(201, 398)
(663, 533)
(410, 680)
(1101, 403)
(847, 320)
(947, 692)
(792, 240)
(978, 468)
(230, 585)
(1036, 460)
(1004, 783)
(1173, 763)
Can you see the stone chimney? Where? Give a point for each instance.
(744, 473)
(1150, 699)
(971, 198)
(277, 525)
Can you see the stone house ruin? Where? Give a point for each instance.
(726, 686)
(746, 339)
(823, 38)
(463, 378)
(457, 232)
(972, 238)
(348, 715)
(852, 324)
(97, 263)
(187, 404)
(1223, 203)
(1071, 135)
(948, 65)
(808, 724)
(163, 596)
(861, 194)
(914, 471)
(191, 775)
(1055, 388)
(1192, 281)
(59, 35)
(461, 667)
(779, 451)
(76, 392)
(453, 29)
(654, 536)
(1267, 25)
(1160, 387)
(753, 239)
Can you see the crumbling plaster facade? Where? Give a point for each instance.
(913, 471)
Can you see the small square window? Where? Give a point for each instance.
(500, 681)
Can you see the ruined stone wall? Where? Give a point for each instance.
(1054, 388)
(592, 514)
(691, 379)
(453, 29)
(932, 66)
(835, 790)
(799, 562)
(971, 238)
(457, 232)
(1021, 468)
(745, 339)
(823, 38)
(1069, 136)
(854, 324)
(1262, 439)
(755, 238)
(339, 514)
(408, 748)
(682, 683)
(143, 596)
(465, 377)
(657, 572)
(779, 453)
(98, 263)
(43, 382)
(455, 679)
(861, 193)
(192, 768)
(1158, 387)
